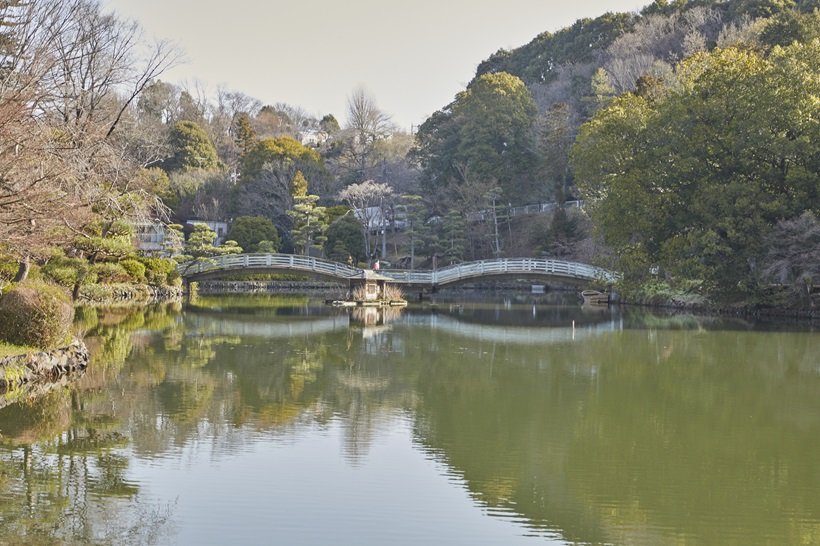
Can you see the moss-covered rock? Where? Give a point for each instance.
(35, 314)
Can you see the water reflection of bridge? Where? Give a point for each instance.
(523, 335)
(214, 324)
(208, 324)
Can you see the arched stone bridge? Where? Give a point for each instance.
(221, 266)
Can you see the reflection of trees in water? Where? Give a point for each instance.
(627, 435)
(368, 395)
(588, 438)
(27, 393)
(112, 334)
(54, 470)
(63, 447)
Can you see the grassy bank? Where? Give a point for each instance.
(37, 316)
(7, 349)
(770, 302)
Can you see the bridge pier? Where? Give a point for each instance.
(187, 289)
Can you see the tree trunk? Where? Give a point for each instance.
(495, 226)
(23, 267)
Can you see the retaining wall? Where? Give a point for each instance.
(212, 288)
(42, 366)
(104, 294)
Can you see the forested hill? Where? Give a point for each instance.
(691, 129)
(663, 32)
(541, 60)
(569, 75)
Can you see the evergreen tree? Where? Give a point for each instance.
(345, 239)
(244, 135)
(309, 225)
(452, 240)
(298, 185)
(250, 231)
(192, 148)
(200, 244)
(694, 179)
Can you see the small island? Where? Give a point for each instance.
(372, 290)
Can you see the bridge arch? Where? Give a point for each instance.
(220, 266)
(541, 268)
(537, 268)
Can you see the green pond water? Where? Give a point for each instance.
(283, 421)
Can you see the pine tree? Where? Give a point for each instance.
(298, 185)
(244, 135)
(309, 223)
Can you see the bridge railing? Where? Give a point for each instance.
(522, 265)
(409, 277)
(502, 266)
(270, 261)
(446, 275)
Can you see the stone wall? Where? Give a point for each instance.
(42, 366)
(107, 294)
(213, 288)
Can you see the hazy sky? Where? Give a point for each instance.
(412, 56)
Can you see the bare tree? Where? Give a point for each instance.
(366, 125)
(794, 254)
(745, 32)
(71, 73)
(368, 201)
(659, 41)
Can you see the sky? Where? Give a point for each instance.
(410, 56)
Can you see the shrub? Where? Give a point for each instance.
(110, 273)
(115, 293)
(266, 246)
(8, 269)
(9, 266)
(135, 269)
(393, 293)
(35, 314)
(160, 271)
(65, 271)
(63, 275)
(174, 278)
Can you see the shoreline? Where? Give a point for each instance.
(127, 294)
(227, 288)
(42, 366)
(143, 295)
(729, 310)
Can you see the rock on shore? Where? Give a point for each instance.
(42, 366)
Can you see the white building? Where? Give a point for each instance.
(150, 238)
(394, 218)
(313, 138)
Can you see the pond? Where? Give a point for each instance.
(521, 421)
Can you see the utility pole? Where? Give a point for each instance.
(384, 229)
(493, 196)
